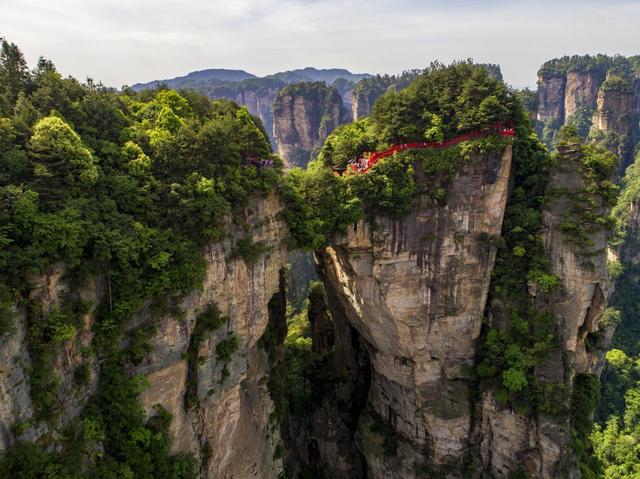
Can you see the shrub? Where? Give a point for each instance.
(226, 348)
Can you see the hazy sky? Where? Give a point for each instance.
(128, 41)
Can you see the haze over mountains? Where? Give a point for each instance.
(218, 75)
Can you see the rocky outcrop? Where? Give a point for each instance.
(415, 290)
(551, 102)
(304, 115)
(234, 406)
(542, 443)
(582, 269)
(230, 426)
(17, 412)
(581, 91)
(615, 112)
(361, 104)
(600, 96)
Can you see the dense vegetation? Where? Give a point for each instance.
(368, 90)
(617, 436)
(127, 187)
(599, 65)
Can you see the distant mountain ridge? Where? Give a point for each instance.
(213, 76)
(198, 78)
(259, 93)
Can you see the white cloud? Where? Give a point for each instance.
(138, 40)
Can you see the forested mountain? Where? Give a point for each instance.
(107, 200)
(465, 296)
(198, 79)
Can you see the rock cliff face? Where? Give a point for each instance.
(615, 111)
(229, 430)
(600, 97)
(551, 91)
(542, 443)
(304, 115)
(581, 91)
(16, 405)
(415, 290)
(361, 104)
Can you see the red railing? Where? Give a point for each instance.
(362, 165)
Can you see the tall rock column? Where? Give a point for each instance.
(415, 289)
(551, 90)
(304, 115)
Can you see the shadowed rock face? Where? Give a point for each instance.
(415, 289)
(259, 102)
(304, 115)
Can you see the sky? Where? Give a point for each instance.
(122, 42)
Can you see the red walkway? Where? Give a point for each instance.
(362, 165)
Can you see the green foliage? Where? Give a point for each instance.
(614, 268)
(617, 84)
(249, 250)
(63, 165)
(14, 75)
(226, 348)
(454, 99)
(586, 394)
(589, 205)
(317, 205)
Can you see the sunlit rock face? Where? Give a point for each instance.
(416, 290)
(304, 115)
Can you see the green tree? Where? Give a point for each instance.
(63, 166)
(14, 75)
